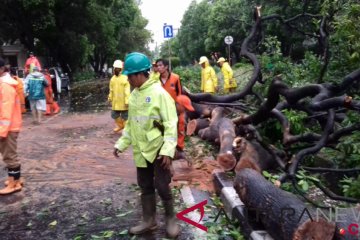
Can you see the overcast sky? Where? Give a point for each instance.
(159, 12)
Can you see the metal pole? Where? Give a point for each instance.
(229, 55)
(169, 55)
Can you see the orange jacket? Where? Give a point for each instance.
(31, 60)
(172, 85)
(48, 89)
(10, 109)
(20, 92)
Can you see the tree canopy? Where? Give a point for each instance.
(296, 28)
(76, 32)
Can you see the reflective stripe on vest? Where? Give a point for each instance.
(5, 122)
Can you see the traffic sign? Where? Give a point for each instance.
(168, 31)
(228, 40)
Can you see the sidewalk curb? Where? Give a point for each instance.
(235, 208)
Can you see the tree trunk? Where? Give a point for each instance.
(211, 133)
(253, 156)
(201, 111)
(283, 215)
(195, 125)
(226, 158)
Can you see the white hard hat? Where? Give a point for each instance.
(118, 64)
(203, 59)
(221, 60)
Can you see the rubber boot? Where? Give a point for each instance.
(21, 180)
(120, 124)
(13, 186)
(55, 107)
(148, 223)
(172, 228)
(48, 109)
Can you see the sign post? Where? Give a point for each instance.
(168, 33)
(229, 40)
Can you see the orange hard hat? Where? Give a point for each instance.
(186, 102)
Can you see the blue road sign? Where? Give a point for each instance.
(168, 31)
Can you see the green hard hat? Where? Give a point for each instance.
(136, 62)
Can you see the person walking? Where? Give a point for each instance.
(119, 96)
(52, 107)
(151, 130)
(209, 81)
(35, 84)
(229, 81)
(10, 125)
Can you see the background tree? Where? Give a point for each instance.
(75, 33)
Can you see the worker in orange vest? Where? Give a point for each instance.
(52, 106)
(183, 103)
(171, 83)
(31, 62)
(10, 124)
(19, 88)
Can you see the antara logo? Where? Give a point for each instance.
(199, 206)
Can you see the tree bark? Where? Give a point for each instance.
(226, 158)
(195, 125)
(211, 133)
(283, 215)
(252, 155)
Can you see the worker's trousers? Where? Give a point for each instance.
(154, 176)
(8, 150)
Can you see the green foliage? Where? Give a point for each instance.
(193, 31)
(344, 39)
(190, 77)
(83, 76)
(351, 187)
(76, 32)
(175, 62)
(296, 120)
(306, 180)
(222, 228)
(228, 17)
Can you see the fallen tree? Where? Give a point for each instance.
(283, 215)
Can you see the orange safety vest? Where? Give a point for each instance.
(20, 92)
(10, 109)
(172, 85)
(48, 89)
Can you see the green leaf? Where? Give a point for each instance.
(106, 219)
(305, 186)
(124, 214)
(123, 232)
(108, 234)
(53, 223)
(266, 174)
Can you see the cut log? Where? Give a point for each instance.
(226, 158)
(253, 155)
(283, 215)
(211, 133)
(201, 111)
(195, 125)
